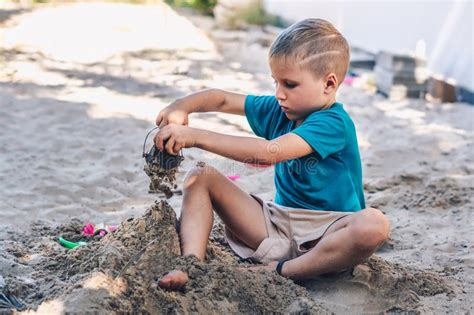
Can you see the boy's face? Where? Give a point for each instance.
(298, 91)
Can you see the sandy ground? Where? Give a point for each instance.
(76, 100)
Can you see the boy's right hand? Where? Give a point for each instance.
(172, 114)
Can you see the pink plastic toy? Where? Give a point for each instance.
(100, 229)
(88, 229)
(348, 80)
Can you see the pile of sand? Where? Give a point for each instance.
(120, 271)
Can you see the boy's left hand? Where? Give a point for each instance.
(173, 138)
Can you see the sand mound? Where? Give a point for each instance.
(120, 271)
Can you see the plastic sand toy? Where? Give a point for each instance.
(100, 229)
(69, 244)
(161, 167)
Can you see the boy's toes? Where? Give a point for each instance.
(174, 280)
(164, 282)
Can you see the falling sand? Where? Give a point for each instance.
(162, 167)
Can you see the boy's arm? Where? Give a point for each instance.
(255, 150)
(212, 100)
(245, 149)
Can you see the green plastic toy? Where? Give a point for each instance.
(69, 244)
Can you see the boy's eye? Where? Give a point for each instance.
(287, 84)
(290, 85)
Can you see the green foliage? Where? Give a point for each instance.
(258, 16)
(204, 6)
(250, 12)
(75, 1)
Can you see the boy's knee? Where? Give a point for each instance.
(198, 175)
(370, 230)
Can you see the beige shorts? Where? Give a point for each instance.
(288, 229)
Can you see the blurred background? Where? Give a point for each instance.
(414, 48)
(438, 32)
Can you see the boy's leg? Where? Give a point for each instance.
(206, 189)
(348, 242)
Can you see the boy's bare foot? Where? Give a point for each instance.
(174, 280)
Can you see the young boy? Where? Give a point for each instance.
(318, 222)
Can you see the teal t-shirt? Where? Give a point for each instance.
(329, 178)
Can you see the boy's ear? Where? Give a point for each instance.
(331, 83)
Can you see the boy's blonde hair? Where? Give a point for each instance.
(314, 44)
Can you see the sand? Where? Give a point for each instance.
(162, 167)
(73, 123)
(120, 273)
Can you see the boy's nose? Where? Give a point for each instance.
(279, 94)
